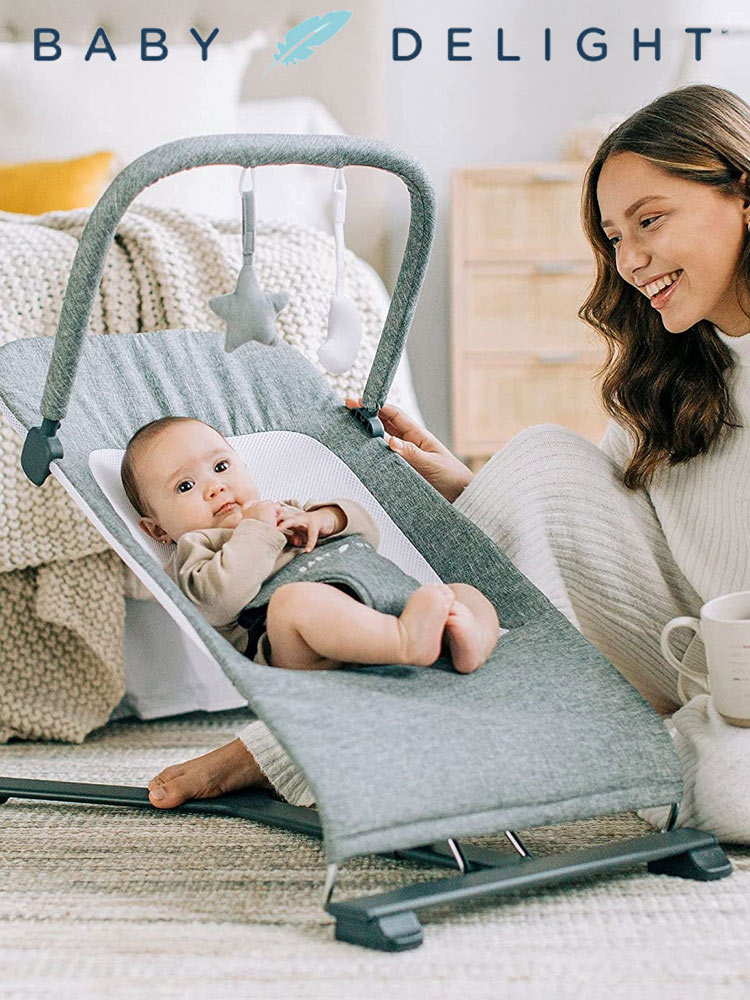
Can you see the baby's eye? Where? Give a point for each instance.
(224, 462)
(187, 483)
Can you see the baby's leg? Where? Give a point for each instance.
(315, 626)
(472, 628)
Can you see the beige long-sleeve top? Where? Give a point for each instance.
(222, 569)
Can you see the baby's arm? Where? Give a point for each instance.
(221, 570)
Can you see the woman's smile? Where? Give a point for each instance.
(661, 291)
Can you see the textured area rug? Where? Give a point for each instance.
(108, 902)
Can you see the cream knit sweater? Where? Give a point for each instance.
(706, 518)
(703, 507)
(704, 504)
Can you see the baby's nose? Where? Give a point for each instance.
(213, 488)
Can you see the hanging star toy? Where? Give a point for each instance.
(248, 312)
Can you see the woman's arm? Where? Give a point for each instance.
(617, 444)
(423, 451)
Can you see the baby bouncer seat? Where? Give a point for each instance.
(403, 760)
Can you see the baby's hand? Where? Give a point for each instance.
(263, 510)
(306, 527)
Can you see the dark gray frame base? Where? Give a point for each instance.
(388, 921)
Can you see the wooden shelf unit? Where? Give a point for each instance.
(521, 267)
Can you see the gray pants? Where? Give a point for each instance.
(555, 504)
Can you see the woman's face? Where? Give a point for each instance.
(665, 227)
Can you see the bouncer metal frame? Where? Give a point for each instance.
(388, 921)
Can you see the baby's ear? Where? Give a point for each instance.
(153, 530)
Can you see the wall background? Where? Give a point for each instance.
(484, 111)
(445, 114)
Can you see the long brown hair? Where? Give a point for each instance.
(669, 389)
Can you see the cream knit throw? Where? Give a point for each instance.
(716, 770)
(62, 605)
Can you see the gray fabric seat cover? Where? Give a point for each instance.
(547, 731)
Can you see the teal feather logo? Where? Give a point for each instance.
(301, 41)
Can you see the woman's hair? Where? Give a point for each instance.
(669, 389)
(134, 448)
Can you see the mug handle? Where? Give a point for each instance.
(685, 622)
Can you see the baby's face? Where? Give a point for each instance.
(191, 479)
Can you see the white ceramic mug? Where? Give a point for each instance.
(724, 627)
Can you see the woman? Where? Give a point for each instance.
(654, 521)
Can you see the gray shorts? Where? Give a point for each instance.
(262, 652)
(346, 561)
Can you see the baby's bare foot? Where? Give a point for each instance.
(222, 770)
(422, 622)
(470, 643)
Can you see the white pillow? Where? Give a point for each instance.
(70, 107)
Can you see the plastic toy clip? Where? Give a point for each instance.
(371, 421)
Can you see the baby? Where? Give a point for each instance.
(190, 487)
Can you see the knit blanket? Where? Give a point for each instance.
(62, 589)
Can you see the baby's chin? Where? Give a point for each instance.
(229, 520)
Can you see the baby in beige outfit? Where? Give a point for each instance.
(190, 487)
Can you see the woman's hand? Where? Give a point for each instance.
(422, 450)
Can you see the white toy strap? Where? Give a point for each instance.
(339, 350)
(339, 217)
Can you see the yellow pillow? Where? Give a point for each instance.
(53, 185)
